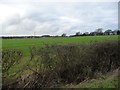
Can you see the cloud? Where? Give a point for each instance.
(25, 18)
(20, 1)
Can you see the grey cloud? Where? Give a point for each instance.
(46, 18)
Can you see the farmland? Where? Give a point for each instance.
(60, 61)
(26, 43)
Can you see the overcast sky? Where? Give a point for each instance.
(24, 17)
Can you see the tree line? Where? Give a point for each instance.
(98, 31)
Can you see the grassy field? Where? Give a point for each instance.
(24, 44)
(20, 69)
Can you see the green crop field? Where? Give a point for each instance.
(26, 43)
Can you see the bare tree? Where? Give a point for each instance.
(63, 35)
(77, 33)
(99, 31)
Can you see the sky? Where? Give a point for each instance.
(42, 17)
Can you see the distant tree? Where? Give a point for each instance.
(99, 31)
(85, 34)
(118, 32)
(115, 32)
(45, 36)
(91, 34)
(56, 36)
(63, 35)
(108, 32)
(77, 34)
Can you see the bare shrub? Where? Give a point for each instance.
(72, 63)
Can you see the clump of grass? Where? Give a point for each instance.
(109, 81)
(10, 57)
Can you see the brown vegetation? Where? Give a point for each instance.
(63, 64)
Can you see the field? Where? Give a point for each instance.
(25, 44)
(67, 62)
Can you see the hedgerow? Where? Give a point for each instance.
(71, 63)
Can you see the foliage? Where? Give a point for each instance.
(9, 59)
(72, 63)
